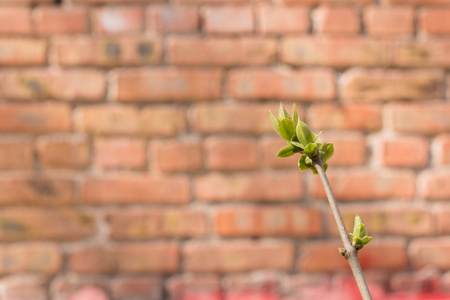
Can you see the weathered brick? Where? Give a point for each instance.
(228, 19)
(160, 257)
(431, 252)
(237, 256)
(323, 256)
(269, 147)
(45, 224)
(385, 85)
(334, 51)
(35, 118)
(441, 149)
(304, 85)
(431, 53)
(25, 287)
(336, 19)
(176, 19)
(136, 225)
(423, 280)
(194, 285)
(367, 185)
(63, 151)
(406, 151)
(434, 20)
(127, 153)
(191, 51)
(365, 117)
(60, 20)
(166, 85)
(350, 149)
(69, 284)
(389, 21)
(150, 288)
(435, 184)
(16, 154)
(176, 155)
(267, 221)
(264, 187)
(118, 19)
(66, 85)
(15, 20)
(22, 51)
(135, 188)
(86, 50)
(280, 19)
(230, 153)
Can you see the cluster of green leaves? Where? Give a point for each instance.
(359, 236)
(300, 139)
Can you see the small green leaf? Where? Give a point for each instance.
(282, 113)
(298, 145)
(316, 136)
(287, 151)
(274, 121)
(325, 167)
(286, 129)
(302, 163)
(304, 134)
(328, 149)
(366, 239)
(294, 114)
(359, 229)
(311, 150)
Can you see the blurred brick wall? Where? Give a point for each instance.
(137, 160)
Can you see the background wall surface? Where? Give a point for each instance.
(137, 160)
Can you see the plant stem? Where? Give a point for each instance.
(351, 254)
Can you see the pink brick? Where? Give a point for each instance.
(283, 19)
(228, 19)
(118, 19)
(178, 19)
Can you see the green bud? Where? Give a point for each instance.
(359, 236)
(342, 251)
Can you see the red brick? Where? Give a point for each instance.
(237, 256)
(304, 85)
(228, 19)
(67, 285)
(15, 20)
(430, 252)
(36, 189)
(112, 1)
(365, 117)
(136, 225)
(33, 257)
(66, 85)
(367, 185)
(166, 85)
(160, 257)
(127, 153)
(269, 147)
(280, 19)
(229, 153)
(176, 19)
(46, 224)
(384, 84)
(350, 149)
(60, 20)
(22, 51)
(85, 50)
(149, 288)
(176, 155)
(25, 287)
(16, 153)
(323, 256)
(431, 53)
(267, 221)
(434, 21)
(118, 119)
(191, 51)
(423, 280)
(190, 286)
(417, 2)
(332, 19)
(63, 151)
(403, 151)
(441, 149)
(135, 188)
(118, 19)
(429, 118)
(435, 184)
(389, 21)
(442, 214)
(264, 187)
(327, 1)
(35, 118)
(334, 51)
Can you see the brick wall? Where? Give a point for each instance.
(137, 160)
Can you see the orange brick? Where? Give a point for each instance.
(227, 154)
(15, 20)
(176, 19)
(281, 19)
(269, 147)
(267, 221)
(123, 152)
(136, 225)
(23, 286)
(403, 152)
(432, 53)
(63, 151)
(85, 50)
(16, 153)
(228, 19)
(68, 85)
(334, 51)
(60, 20)
(434, 20)
(182, 286)
(256, 187)
(350, 149)
(430, 252)
(22, 51)
(367, 185)
(137, 287)
(309, 2)
(35, 118)
(221, 51)
(135, 188)
(389, 21)
(330, 19)
(365, 117)
(176, 155)
(441, 149)
(442, 214)
(417, 2)
(435, 184)
(305, 85)
(112, 1)
(237, 256)
(166, 85)
(71, 284)
(118, 19)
